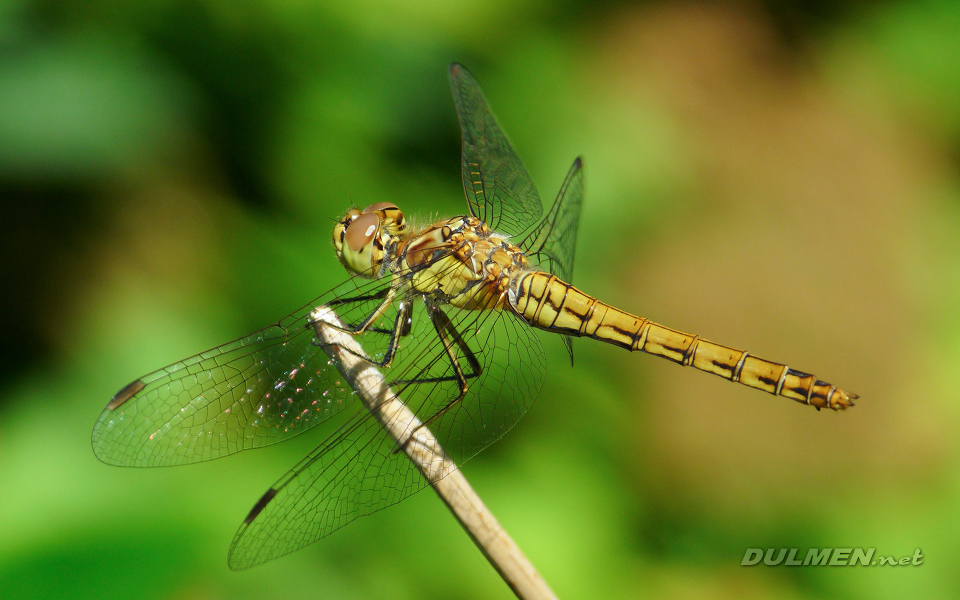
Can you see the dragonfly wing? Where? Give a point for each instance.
(357, 470)
(329, 488)
(257, 390)
(553, 242)
(498, 188)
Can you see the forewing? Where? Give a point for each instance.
(358, 470)
(257, 390)
(498, 188)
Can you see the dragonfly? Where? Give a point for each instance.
(447, 312)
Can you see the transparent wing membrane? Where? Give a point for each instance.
(358, 471)
(498, 188)
(257, 390)
(554, 241)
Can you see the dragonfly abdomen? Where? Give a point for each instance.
(548, 303)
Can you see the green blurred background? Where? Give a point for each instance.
(781, 177)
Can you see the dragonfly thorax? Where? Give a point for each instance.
(462, 261)
(365, 239)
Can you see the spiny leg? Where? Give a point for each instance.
(386, 297)
(449, 336)
(442, 323)
(401, 327)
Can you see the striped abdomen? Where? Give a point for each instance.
(547, 303)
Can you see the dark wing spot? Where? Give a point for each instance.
(129, 391)
(260, 505)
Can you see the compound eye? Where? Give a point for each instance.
(378, 206)
(361, 231)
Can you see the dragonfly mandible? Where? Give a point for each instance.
(447, 312)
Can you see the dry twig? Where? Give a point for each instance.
(420, 445)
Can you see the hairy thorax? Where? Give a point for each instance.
(463, 261)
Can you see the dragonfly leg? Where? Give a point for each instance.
(386, 297)
(401, 327)
(451, 340)
(444, 327)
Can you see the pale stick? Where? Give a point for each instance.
(420, 445)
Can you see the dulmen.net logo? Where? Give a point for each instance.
(827, 557)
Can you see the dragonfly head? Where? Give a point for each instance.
(364, 238)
